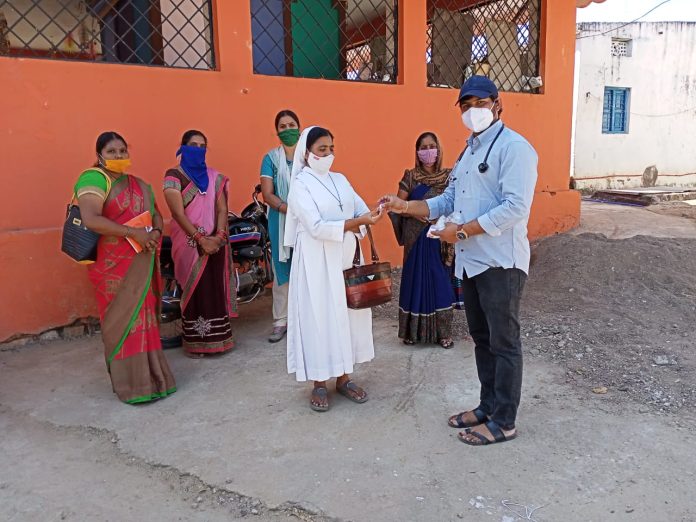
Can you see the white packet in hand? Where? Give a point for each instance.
(439, 225)
(454, 217)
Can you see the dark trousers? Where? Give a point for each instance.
(492, 304)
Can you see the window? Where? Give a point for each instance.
(616, 110)
(331, 39)
(621, 47)
(495, 38)
(170, 33)
(358, 60)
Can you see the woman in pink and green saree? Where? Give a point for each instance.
(126, 281)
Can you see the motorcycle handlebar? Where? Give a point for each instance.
(257, 191)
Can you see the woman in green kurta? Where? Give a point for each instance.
(275, 184)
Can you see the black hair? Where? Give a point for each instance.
(493, 98)
(105, 137)
(315, 134)
(469, 96)
(190, 134)
(426, 135)
(286, 112)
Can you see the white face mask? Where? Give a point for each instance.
(478, 119)
(320, 165)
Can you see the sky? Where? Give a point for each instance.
(628, 10)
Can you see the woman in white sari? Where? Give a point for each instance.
(324, 221)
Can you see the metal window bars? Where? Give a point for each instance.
(494, 38)
(168, 33)
(331, 39)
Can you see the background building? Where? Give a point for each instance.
(376, 72)
(636, 105)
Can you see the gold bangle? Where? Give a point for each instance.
(406, 210)
(128, 231)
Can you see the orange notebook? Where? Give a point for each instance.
(143, 220)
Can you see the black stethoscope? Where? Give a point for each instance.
(482, 167)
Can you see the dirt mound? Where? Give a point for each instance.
(618, 313)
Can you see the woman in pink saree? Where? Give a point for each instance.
(197, 198)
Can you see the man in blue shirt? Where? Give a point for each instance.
(488, 202)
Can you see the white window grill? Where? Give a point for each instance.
(620, 47)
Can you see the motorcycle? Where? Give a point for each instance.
(252, 262)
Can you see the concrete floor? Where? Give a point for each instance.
(240, 425)
(238, 441)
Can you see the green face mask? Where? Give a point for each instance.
(289, 137)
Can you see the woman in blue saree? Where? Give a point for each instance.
(426, 297)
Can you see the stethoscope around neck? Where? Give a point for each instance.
(483, 166)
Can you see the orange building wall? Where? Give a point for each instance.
(52, 111)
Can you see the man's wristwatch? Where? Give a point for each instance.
(461, 234)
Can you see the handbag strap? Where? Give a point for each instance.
(375, 256)
(106, 177)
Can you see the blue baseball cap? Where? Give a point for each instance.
(478, 86)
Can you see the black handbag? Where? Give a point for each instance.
(79, 242)
(367, 285)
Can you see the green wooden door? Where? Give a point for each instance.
(316, 39)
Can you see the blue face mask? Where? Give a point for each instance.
(193, 163)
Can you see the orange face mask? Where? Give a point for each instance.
(117, 165)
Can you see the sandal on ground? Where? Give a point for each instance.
(409, 342)
(446, 343)
(457, 421)
(350, 386)
(479, 439)
(321, 394)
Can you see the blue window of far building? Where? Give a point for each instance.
(616, 110)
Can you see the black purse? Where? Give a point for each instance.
(78, 242)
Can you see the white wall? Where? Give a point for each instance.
(662, 124)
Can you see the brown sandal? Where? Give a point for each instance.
(323, 394)
(350, 386)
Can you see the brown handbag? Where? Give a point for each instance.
(368, 285)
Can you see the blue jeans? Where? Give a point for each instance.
(492, 304)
